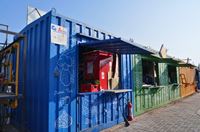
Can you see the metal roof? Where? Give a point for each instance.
(186, 65)
(117, 45)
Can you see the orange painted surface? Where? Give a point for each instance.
(187, 81)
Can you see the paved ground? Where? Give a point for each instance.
(180, 116)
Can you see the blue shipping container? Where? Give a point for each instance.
(52, 101)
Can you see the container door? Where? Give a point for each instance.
(63, 77)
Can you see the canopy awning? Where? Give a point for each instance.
(117, 45)
(153, 58)
(171, 60)
(158, 59)
(186, 65)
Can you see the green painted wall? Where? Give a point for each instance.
(150, 98)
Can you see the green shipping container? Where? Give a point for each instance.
(148, 98)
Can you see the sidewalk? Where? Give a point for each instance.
(179, 116)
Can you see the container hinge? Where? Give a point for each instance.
(78, 100)
(78, 126)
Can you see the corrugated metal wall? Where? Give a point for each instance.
(51, 86)
(101, 110)
(34, 106)
(150, 98)
(172, 91)
(187, 81)
(63, 85)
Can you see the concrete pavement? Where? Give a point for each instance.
(180, 116)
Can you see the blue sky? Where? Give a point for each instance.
(174, 23)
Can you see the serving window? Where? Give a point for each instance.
(150, 72)
(100, 64)
(172, 74)
(98, 70)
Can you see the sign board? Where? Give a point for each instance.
(33, 14)
(163, 52)
(58, 34)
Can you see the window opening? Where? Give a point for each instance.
(172, 74)
(98, 70)
(150, 72)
